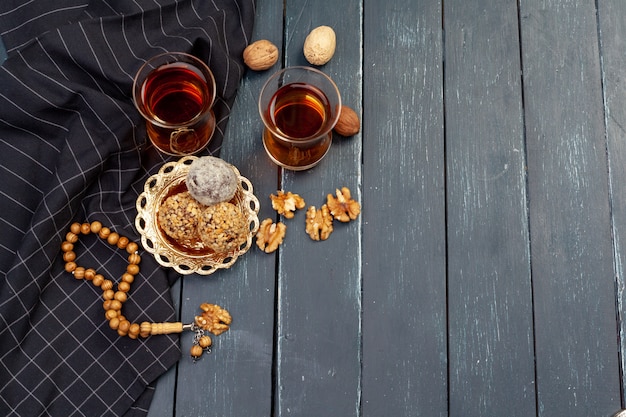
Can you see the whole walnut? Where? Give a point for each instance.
(319, 45)
(260, 55)
(348, 123)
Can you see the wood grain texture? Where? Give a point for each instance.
(489, 287)
(404, 250)
(571, 248)
(319, 283)
(612, 21)
(485, 275)
(236, 378)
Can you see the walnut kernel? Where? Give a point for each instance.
(287, 203)
(270, 235)
(319, 223)
(214, 318)
(343, 207)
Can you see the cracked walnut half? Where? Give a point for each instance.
(287, 203)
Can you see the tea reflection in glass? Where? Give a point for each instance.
(175, 92)
(299, 107)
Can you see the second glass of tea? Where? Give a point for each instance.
(175, 93)
(299, 107)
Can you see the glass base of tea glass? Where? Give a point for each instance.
(182, 141)
(293, 157)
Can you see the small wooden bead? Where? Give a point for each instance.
(95, 227)
(107, 284)
(70, 266)
(122, 242)
(205, 342)
(196, 351)
(134, 329)
(85, 228)
(123, 286)
(128, 278)
(114, 323)
(104, 232)
(145, 328)
(124, 326)
(121, 316)
(75, 228)
(120, 296)
(111, 314)
(107, 305)
(115, 305)
(69, 256)
(132, 247)
(67, 246)
(108, 294)
(90, 273)
(134, 259)
(132, 269)
(71, 237)
(113, 238)
(98, 279)
(79, 272)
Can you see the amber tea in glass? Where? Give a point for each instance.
(299, 107)
(175, 92)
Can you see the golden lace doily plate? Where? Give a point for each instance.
(188, 257)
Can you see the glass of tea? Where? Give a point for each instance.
(299, 107)
(175, 92)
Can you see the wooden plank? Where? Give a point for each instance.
(612, 20)
(572, 263)
(235, 380)
(319, 283)
(489, 287)
(404, 249)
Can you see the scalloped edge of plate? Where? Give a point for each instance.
(171, 174)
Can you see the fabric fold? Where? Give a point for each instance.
(73, 148)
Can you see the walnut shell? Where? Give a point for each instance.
(319, 45)
(348, 123)
(260, 55)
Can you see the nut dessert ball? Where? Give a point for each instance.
(178, 216)
(223, 228)
(211, 180)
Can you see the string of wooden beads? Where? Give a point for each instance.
(213, 318)
(113, 298)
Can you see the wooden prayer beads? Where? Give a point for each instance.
(213, 319)
(113, 298)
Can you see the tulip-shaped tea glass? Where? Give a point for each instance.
(299, 107)
(175, 92)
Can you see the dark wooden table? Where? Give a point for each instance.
(485, 276)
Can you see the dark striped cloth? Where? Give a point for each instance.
(73, 148)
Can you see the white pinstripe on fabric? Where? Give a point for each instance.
(73, 148)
